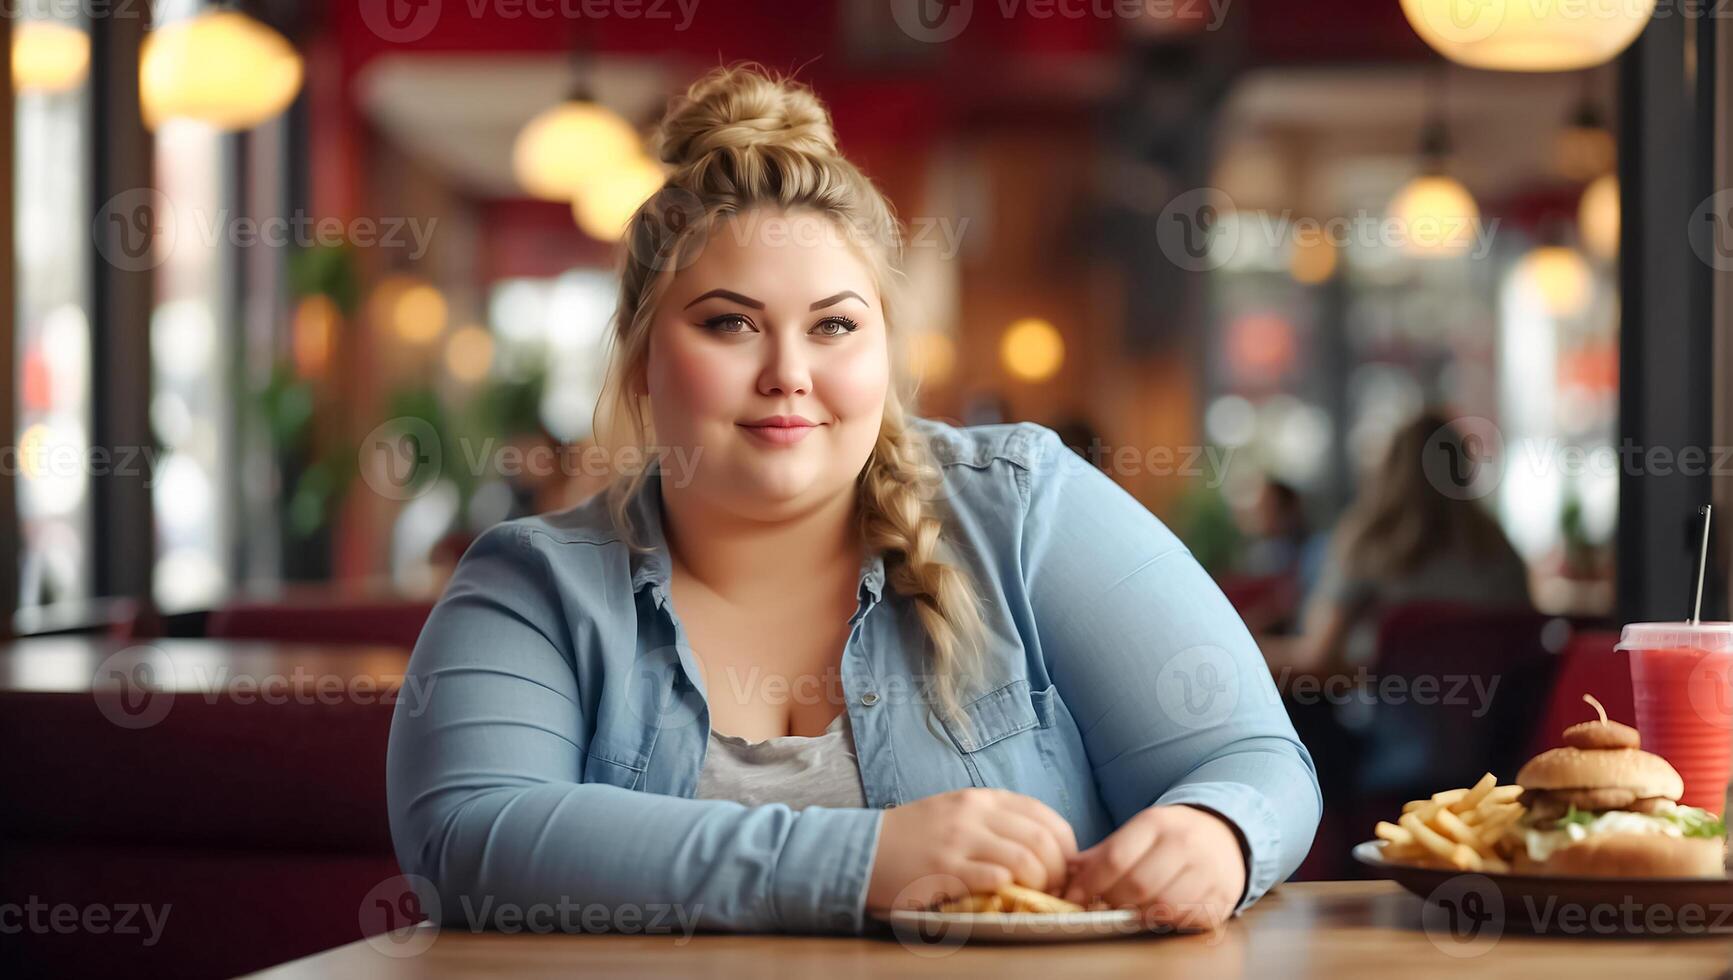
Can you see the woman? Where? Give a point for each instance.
(820, 657)
(1418, 533)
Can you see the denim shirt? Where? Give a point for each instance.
(554, 756)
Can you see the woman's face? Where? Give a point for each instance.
(768, 358)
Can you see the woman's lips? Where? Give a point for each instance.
(779, 435)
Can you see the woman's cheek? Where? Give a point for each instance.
(855, 384)
(698, 385)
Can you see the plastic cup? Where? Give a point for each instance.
(1682, 682)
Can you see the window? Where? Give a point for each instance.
(53, 247)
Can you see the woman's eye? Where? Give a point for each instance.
(835, 326)
(729, 323)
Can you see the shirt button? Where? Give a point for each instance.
(870, 698)
(889, 806)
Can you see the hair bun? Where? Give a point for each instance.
(739, 108)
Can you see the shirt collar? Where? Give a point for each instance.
(655, 569)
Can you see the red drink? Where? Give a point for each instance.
(1682, 681)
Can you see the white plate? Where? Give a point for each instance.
(940, 930)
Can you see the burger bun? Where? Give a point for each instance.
(1644, 773)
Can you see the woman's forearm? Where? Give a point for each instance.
(566, 856)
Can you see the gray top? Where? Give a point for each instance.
(799, 770)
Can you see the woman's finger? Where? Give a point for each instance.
(1109, 862)
(1183, 903)
(1035, 835)
(1034, 809)
(1013, 855)
(1151, 879)
(982, 877)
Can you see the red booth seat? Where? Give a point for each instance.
(391, 622)
(261, 829)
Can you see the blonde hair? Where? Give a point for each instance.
(740, 139)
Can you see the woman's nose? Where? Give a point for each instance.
(786, 371)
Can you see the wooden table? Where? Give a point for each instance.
(1332, 929)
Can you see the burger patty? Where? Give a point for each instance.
(1550, 804)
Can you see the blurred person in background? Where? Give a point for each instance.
(1279, 539)
(1404, 540)
(1281, 554)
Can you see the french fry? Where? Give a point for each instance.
(1496, 823)
(1465, 857)
(1010, 898)
(1459, 829)
(1449, 796)
(1472, 798)
(971, 903)
(1452, 827)
(1392, 833)
(1430, 839)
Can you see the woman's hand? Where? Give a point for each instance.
(1178, 865)
(967, 841)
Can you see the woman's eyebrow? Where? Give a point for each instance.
(733, 296)
(728, 294)
(839, 297)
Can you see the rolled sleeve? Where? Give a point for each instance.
(1249, 811)
(1170, 693)
(821, 877)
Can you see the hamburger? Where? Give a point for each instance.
(1601, 806)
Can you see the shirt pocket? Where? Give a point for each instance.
(1003, 745)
